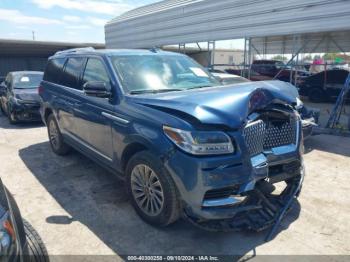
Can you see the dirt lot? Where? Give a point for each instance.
(79, 208)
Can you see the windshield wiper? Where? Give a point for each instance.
(153, 91)
(195, 87)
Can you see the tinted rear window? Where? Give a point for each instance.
(53, 70)
(71, 74)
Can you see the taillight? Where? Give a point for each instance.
(40, 90)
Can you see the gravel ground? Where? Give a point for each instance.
(79, 208)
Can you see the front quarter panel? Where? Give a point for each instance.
(144, 127)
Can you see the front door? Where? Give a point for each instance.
(91, 126)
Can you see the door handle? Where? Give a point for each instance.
(115, 118)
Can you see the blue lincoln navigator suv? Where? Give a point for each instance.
(184, 145)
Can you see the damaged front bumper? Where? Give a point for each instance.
(227, 190)
(261, 208)
(26, 112)
(239, 191)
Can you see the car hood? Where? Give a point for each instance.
(30, 94)
(222, 105)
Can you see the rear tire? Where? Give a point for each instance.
(58, 146)
(35, 246)
(151, 190)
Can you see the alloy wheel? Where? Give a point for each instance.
(147, 190)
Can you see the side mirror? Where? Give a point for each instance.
(96, 88)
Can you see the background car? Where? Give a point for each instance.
(19, 96)
(262, 70)
(324, 86)
(18, 239)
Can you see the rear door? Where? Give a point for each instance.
(69, 94)
(92, 126)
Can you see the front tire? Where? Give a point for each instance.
(36, 250)
(58, 146)
(151, 190)
(12, 118)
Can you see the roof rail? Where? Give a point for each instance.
(75, 50)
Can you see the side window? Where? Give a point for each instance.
(53, 71)
(96, 71)
(70, 77)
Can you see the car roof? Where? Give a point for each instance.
(267, 61)
(112, 52)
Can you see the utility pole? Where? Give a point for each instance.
(33, 34)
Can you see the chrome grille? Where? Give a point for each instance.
(260, 136)
(254, 135)
(280, 135)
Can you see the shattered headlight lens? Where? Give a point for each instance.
(200, 142)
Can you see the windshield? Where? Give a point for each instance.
(155, 73)
(24, 81)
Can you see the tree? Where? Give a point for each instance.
(308, 57)
(330, 56)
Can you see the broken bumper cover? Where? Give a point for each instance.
(310, 118)
(27, 111)
(224, 187)
(257, 209)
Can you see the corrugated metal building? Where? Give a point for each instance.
(189, 21)
(16, 55)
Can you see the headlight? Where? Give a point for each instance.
(18, 101)
(200, 142)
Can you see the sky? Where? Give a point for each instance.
(79, 21)
(61, 20)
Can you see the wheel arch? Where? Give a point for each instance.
(129, 151)
(48, 111)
